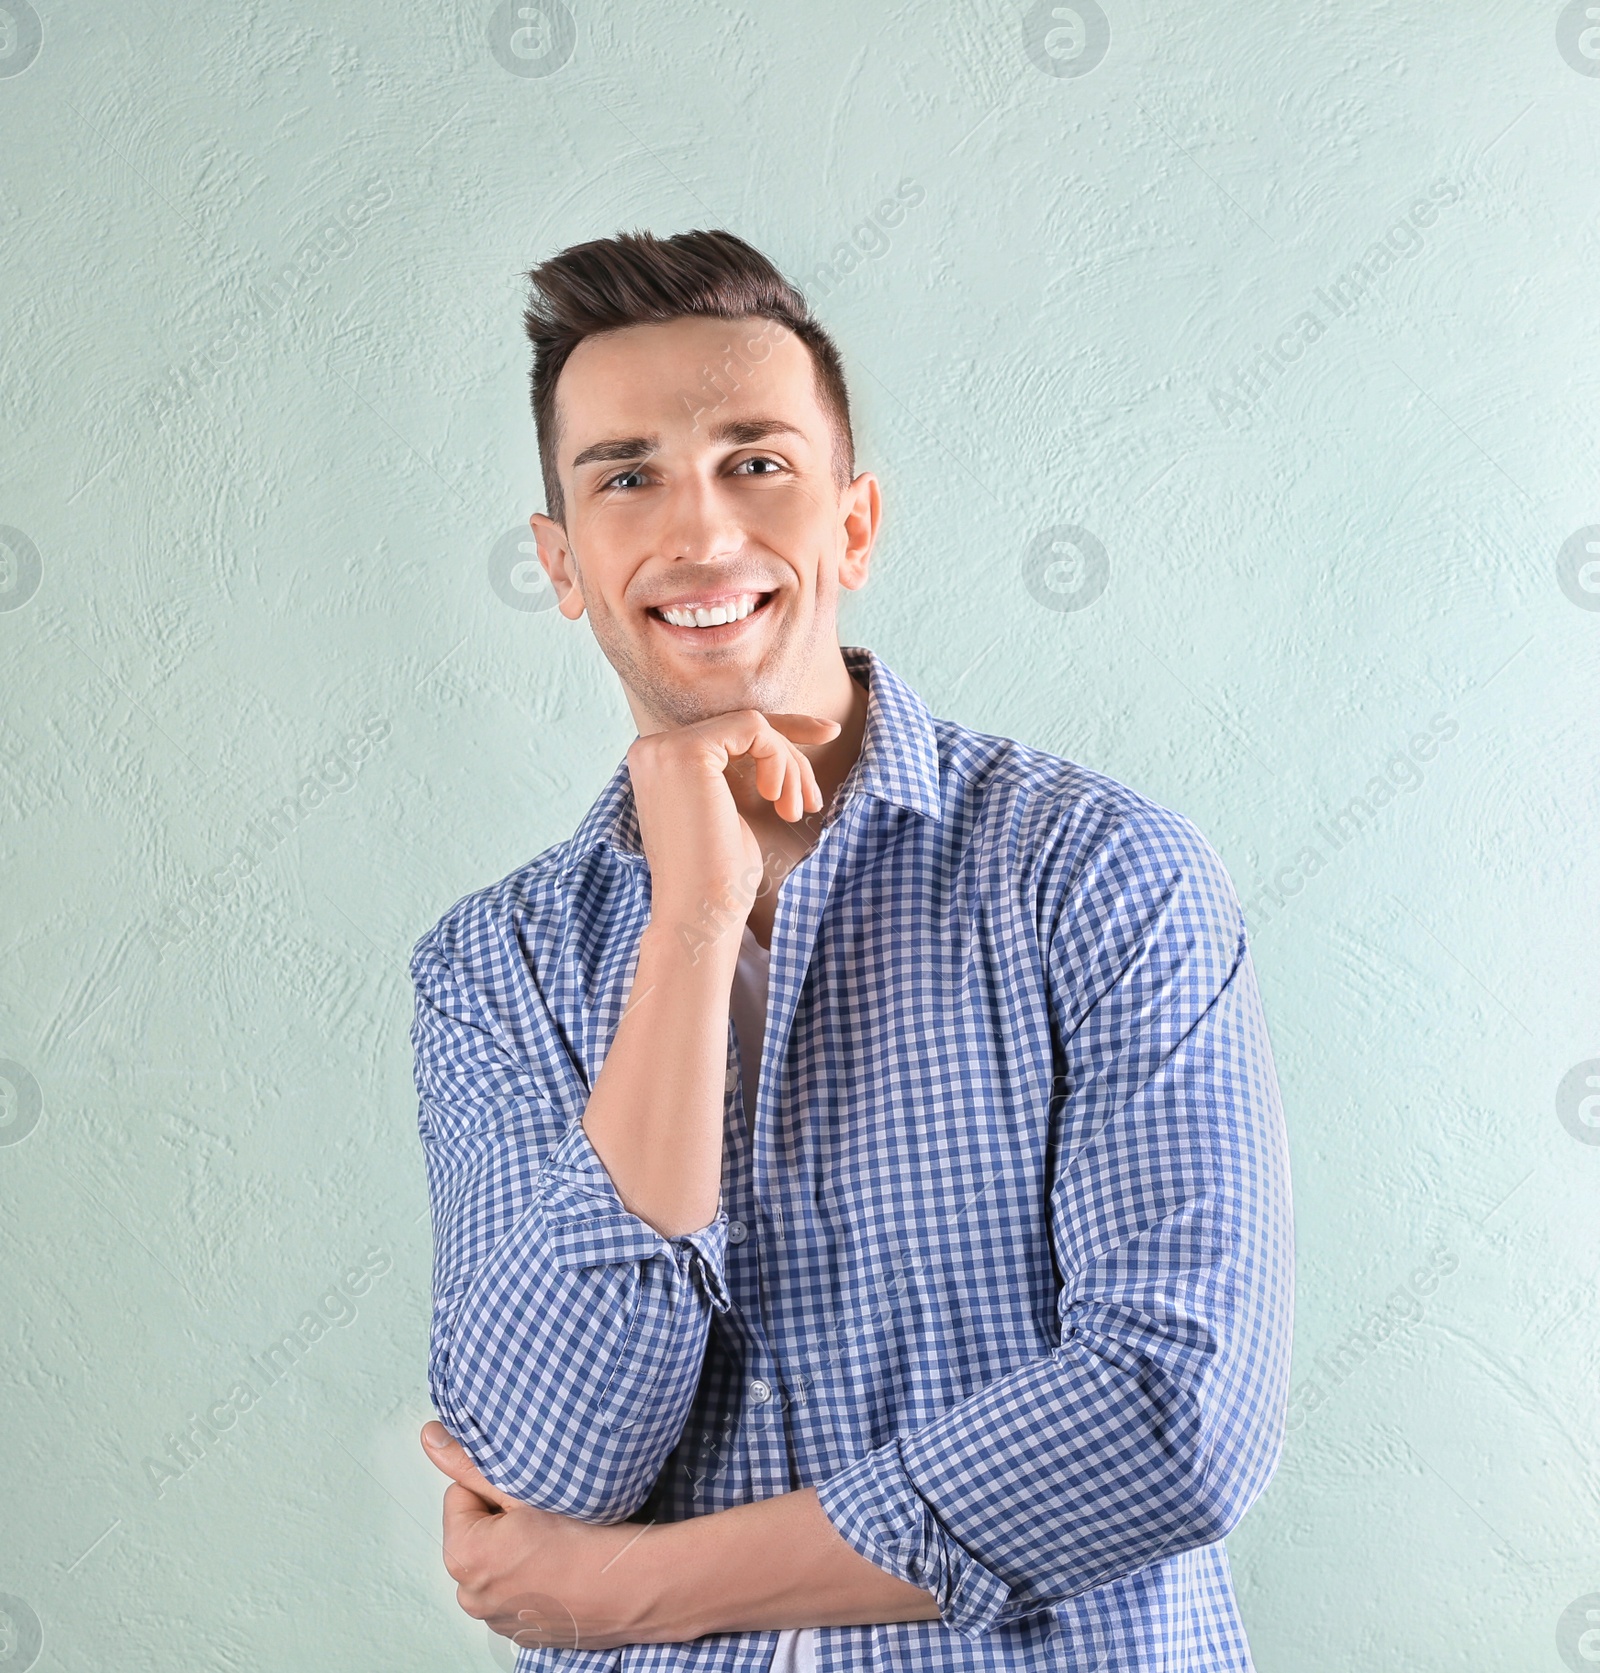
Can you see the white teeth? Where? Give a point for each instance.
(699, 616)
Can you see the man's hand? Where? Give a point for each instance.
(655, 1111)
(532, 1576)
(541, 1579)
(698, 845)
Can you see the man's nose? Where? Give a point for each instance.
(698, 524)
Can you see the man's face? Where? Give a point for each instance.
(697, 465)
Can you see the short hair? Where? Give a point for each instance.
(639, 279)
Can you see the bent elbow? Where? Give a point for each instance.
(538, 1464)
(1226, 1491)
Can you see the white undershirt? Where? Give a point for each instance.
(748, 1006)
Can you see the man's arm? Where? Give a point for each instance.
(772, 1565)
(568, 1333)
(551, 1581)
(573, 1294)
(1158, 1418)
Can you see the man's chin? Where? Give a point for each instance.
(683, 691)
(687, 704)
(683, 698)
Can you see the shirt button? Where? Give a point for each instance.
(731, 1081)
(760, 1390)
(737, 1231)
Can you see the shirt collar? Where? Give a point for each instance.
(898, 764)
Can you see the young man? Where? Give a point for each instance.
(859, 1184)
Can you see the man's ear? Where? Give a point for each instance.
(861, 511)
(556, 557)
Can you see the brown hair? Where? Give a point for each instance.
(639, 279)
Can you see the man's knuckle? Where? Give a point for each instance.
(467, 1597)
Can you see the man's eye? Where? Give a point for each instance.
(759, 461)
(623, 479)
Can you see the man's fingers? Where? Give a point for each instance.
(793, 802)
(769, 752)
(784, 775)
(738, 731)
(772, 745)
(463, 1511)
(810, 790)
(805, 729)
(451, 1457)
(800, 791)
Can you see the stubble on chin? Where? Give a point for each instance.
(675, 703)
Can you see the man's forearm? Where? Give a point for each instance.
(772, 1565)
(655, 1115)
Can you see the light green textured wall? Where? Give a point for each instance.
(264, 427)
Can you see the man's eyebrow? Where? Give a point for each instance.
(617, 449)
(739, 431)
(745, 430)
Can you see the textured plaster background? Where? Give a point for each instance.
(1231, 374)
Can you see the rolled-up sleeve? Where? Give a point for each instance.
(568, 1334)
(1158, 1418)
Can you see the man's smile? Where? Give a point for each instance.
(716, 617)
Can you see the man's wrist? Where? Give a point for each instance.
(773, 1565)
(666, 1582)
(704, 940)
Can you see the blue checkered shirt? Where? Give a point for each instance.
(1003, 1267)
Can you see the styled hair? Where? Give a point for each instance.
(639, 279)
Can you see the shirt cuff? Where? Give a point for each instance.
(587, 1224)
(882, 1517)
